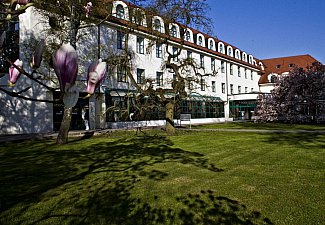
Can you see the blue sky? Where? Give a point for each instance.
(271, 28)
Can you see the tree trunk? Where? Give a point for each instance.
(65, 126)
(170, 127)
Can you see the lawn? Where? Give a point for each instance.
(195, 177)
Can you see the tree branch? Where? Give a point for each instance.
(17, 95)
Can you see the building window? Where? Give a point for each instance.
(200, 41)
(229, 51)
(157, 25)
(237, 55)
(159, 51)
(239, 89)
(246, 89)
(252, 89)
(222, 66)
(173, 31)
(202, 84)
(120, 40)
(121, 73)
(10, 48)
(239, 74)
(211, 44)
(138, 17)
(159, 78)
(120, 12)
(245, 73)
(231, 89)
(244, 57)
(251, 75)
(175, 54)
(221, 48)
(231, 69)
(189, 54)
(187, 36)
(140, 76)
(250, 59)
(201, 61)
(213, 64)
(213, 86)
(274, 79)
(140, 45)
(223, 88)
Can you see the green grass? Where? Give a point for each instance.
(195, 177)
(260, 126)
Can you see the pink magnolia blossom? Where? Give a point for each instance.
(87, 8)
(14, 73)
(22, 2)
(65, 66)
(96, 73)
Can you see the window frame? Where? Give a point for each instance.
(159, 51)
(140, 45)
(159, 78)
(223, 88)
(213, 64)
(202, 61)
(121, 74)
(213, 86)
(140, 75)
(120, 12)
(120, 40)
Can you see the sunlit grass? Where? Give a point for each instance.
(194, 177)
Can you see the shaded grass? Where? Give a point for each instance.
(195, 177)
(261, 126)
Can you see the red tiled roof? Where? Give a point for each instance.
(206, 36)
(285, 64)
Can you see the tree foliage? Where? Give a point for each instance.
(297, 98)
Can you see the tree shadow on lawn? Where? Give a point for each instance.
(94, 186)
(306, 140)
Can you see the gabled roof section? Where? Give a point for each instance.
(285, 64)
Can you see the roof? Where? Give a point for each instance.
(190, 44)
(285, 64)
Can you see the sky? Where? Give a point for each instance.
(271, 28)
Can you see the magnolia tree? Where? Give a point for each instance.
(64, 62)
(297, 98)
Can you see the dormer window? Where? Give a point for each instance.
(244, 56)
(139, 17)
(291, 65)
(237, 54)
(221, 48)
(200, 41)
(211, 44)
(157, 25)
(250, 59)
(187, 36)
(173, 31)
(278, 66)
(229, 51)
(120, 13)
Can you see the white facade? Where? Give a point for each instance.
(232, 75)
